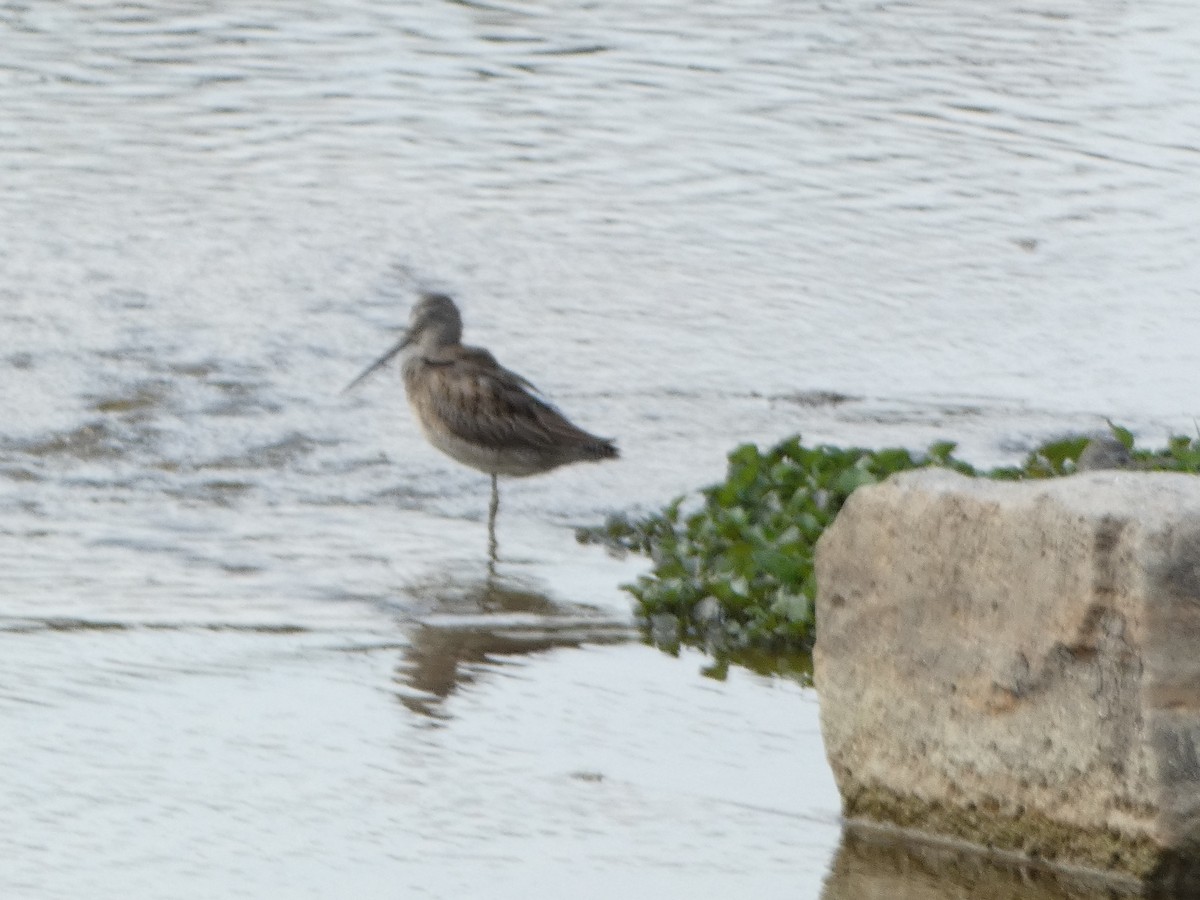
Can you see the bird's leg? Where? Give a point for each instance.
(493, 508)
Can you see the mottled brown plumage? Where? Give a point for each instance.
(478, 412)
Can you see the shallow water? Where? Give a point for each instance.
(247, 623)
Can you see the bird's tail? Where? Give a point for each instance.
(602, 448)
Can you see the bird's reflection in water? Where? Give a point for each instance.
(871, 864)
(471, 629)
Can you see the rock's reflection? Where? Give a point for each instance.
(873, 866)
(472, 628)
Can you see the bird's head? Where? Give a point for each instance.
(434, 322)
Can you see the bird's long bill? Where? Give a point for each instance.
(379, 363)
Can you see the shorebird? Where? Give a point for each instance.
(478, 412)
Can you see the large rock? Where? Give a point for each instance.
(1017, 665)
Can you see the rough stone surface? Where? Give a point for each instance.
(1017, 665)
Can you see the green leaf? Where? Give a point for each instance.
(1124, 435)
(852, 479)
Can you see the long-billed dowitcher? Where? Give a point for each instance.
(478, 412)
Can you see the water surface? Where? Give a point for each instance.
(250, 643)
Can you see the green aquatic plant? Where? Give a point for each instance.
(732, 569)
(1182, 454)
(737, 572)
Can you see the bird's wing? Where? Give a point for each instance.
(485, 403)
